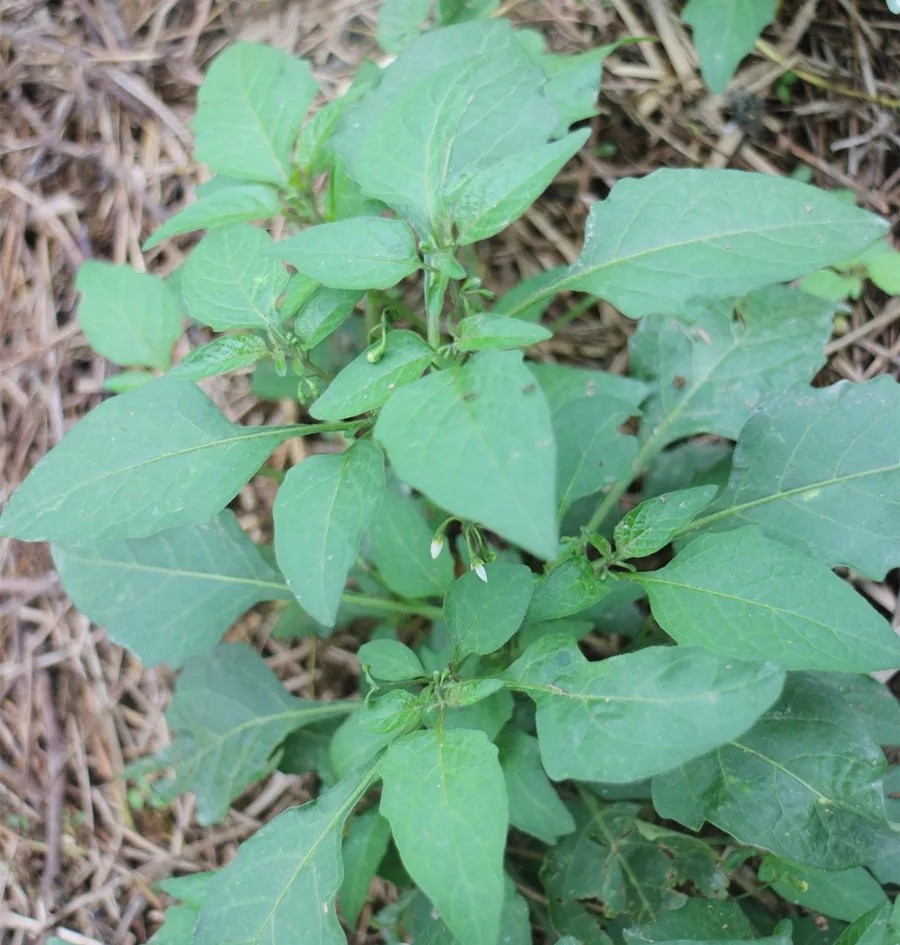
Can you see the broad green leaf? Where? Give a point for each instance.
(563, 384)
(520, 299)
(819, 470)
(477, 441)
(172, 595)
(125, 381)
(129, 317)
(591, 452)
(708, 376)
(400, 22)
(804, 783)
(362, 253)
(191, 889)
(707, 918)
(481, 616)
(878, 707)
(232, 204)
(484, 331)
(831, 285)
(445, 798)
(230, 280)
(395, 713)
(454, 102)
(249, 110)
(459, 11)
(568, 589)
(228, 718)
(652, 524)
(221, 355)
(631, 716)
(177, 928)
(369, 380)
(400, 542)
(322, 313)
(741, 594)
(390, 660)
(607, 859)
(534, 805)
(289, 872)
(363, 850)
(694, 463)
(488, 714)
(322, 510)
(490, 199)
(724, 32)
(873, 928)
(841, 894)
(677, 234)
(140, 463)
(354, 745)
(884, 271)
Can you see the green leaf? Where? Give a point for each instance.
(631, 716)
(235, 203)
(652, 524)
(140, 463)
(488, 200)
(433, 121)
(231, 281)
(841, 894)
(249, 110)
(369, 380)
(172, 595)
(563, 384)
(831, 285)
(873, 701)
(489, 428)
(460, 11)
(445, 798)
(884, 271)
(228, 717)
(354, 745)
(323, 312)
(568, 589)
(870, 929)
(713, 920)
(290, 868)
(483, 331)
(390, 660)
(322, 510)
(811, 751)
(129, 317)
(361, 253)
(591, 452)
(724, 32)
(693, 463)
(534, 805)
(400, 540)
(222, 355)
(177, 928)
(190, 889)
(481, 616)
(819, 469)
(741, 594)
(709, 376)
(400, 22)
(363, 850)
(128, 380)
(659, 241)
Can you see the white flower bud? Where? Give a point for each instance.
(437, 545)
(478, 568)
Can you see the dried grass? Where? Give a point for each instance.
(95, 97)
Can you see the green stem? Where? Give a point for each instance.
(394, 606)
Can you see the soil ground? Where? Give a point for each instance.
(95, 151)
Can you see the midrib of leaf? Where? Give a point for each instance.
(337, 818)
(573, 275)
(651, 578)
(179, 572)
(263, 126)
(285, 432)
(788, 493)
(842, 805)
(587, 698)
(611, 845)
(442, 767)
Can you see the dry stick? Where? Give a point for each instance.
(890, 314)
(55, 786)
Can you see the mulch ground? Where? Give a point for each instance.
(95, 151)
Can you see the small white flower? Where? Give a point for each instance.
(478, 568)
(437, 545)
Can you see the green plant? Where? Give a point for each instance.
(704, 775)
